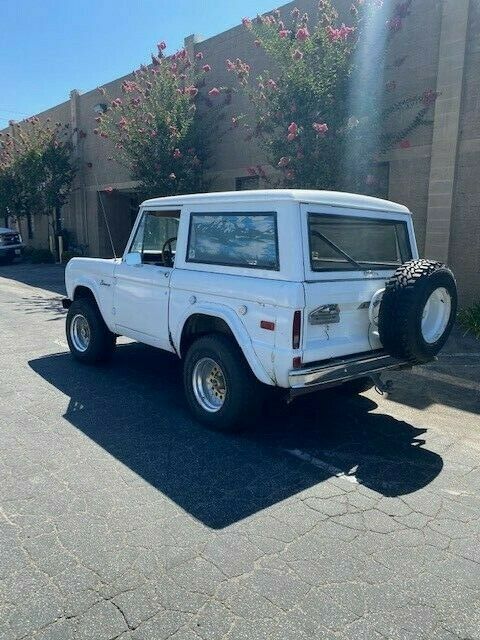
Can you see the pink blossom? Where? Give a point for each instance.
(172, 176)
(109, 189)
(293, 128)
(191, 91)
(177, 154)
(429, 97)
(104, 135)
(291, 136)
(247, 23)
(252, 171)
(289, 175)
(153, 133)
(156, 60)
(295, 12)
(370, 179)
(214, 92)
(161, 46)
(272, 84)
(321, 128)
(284, 161)
(181, 55)
(335, 35)
(297, 54)
(405, 144)
(206, 68)
(284, 33)
(394, 24)
(199, 55)
(122, 123)
(302, 34)
(230, 65)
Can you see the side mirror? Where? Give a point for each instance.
(133, 259)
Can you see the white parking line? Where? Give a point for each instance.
(445, 377)
(320, 464)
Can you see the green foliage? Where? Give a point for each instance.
(36, 171)
(68, 255)
(41, 256)
(155, 128)
(469, 319)
(319, 114)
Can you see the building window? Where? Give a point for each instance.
(237, 240)
(247, 182)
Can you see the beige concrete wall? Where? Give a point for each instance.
(464, 255)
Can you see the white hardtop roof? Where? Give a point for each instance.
(6, 229)
(327, 198)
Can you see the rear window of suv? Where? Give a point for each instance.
(234, 239)
(340, 243)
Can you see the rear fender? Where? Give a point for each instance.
(237, 328)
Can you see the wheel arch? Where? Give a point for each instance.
(217, 319)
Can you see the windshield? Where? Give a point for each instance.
(348, 243)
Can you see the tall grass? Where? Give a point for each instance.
(469, 319)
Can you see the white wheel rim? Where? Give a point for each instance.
(80, 332)
(436, 315)
(209, 386)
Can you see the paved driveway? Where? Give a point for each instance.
(120, 517)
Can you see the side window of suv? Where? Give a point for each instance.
(234, 239)
(156, 237)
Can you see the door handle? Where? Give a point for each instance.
(104, 284)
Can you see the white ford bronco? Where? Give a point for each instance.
(296, 289)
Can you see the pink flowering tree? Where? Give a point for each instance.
(155, 128)
(36, 170)
(321, 114)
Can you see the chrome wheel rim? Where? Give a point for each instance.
(209, 386)
(80, 332)
(436, 315)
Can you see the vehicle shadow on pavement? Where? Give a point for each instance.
(134, 409)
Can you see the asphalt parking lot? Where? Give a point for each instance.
(120, 517)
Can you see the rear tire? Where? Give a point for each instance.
(220, 388)
(418, 310)
(88, 337)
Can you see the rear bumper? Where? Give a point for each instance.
(333, 372)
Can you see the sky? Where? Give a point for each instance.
(49, 47)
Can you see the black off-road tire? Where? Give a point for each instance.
(243, 391)
(354, 387)
(102, 340)
(402, 307)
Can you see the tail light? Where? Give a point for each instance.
(296, 329)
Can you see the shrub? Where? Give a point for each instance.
(469, 319)
(68, 255)
(41, 256)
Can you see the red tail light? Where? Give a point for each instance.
(296, 329)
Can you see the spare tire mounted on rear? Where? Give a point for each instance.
(418, 310)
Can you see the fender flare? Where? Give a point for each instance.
(89, 283)
(235, 325)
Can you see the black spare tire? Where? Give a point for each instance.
(418, 310)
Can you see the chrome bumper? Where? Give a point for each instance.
(333, 372)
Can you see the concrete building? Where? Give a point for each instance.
(438, 177)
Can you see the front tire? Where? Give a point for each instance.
(220, 389)
(88, 337)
